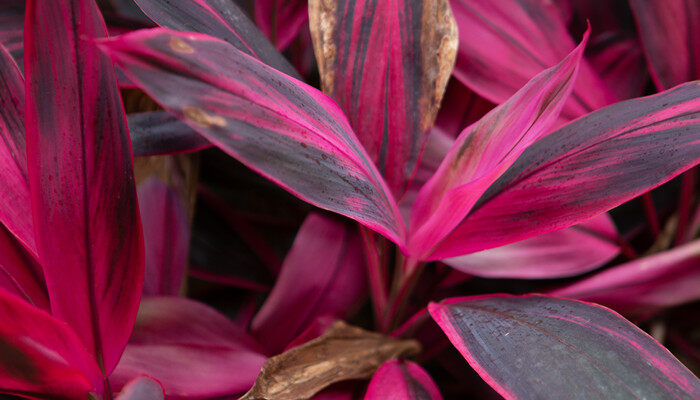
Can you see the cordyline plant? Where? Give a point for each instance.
(537, 138)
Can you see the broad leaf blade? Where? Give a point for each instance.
(281, 20)
(41, 356)
(328, 254)
(157, 133)
(142, 388)
(219, 18)
(584, 169)
(567, 252)
(402, 380)
(483, 151)
(11, 28)
(283, 129)
(20, 273)
(15, 202)
(386, 64)
(503, 44)
(191, 349)
(549, 348)
(646, 285)
(669, 31)
(80, 174)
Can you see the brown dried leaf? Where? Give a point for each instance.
(344, 352)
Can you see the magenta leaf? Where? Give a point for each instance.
(386, 64)
(550, 348)
(584, 169)
(20, 273)
(41, 356)
(158, 132)
(327, 253)
(402, 380)
(567, 252)
(643, 286)
(81, 179)
(281, 20)
(11, 28)
(503, 44)
(15, 202)
(621, 65)
(191, 349)
(484, 150)
(142, 388)
(166, 236)
(669, 32)
(283, 129)
(221, 19)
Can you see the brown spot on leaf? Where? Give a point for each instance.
(344, 352)
(202, 118)
(179, 45)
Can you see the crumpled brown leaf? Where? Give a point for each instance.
(343, 352)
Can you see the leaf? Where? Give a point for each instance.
(549, 348)
(402, 380)
(643, 286)
(584, 169)
(669, 32)
(503, 44)
(166, 233)
(567, 252)
(15, 203)
(219, 18)
(80, 174)
(41, 356)
(20, 273)
(281, 21)
(386, 64)
(620, 63)
(327, 254)
(142, 388)
(191, 349)
(158, 132)
(344, 352)
(11, 28)
(484, 150)
(283, 129)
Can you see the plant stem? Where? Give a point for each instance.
(376, 271)
(688, 182)
(650, 212)
(408, 271)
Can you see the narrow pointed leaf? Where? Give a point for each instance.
(20, 273)
(158, 132)
(645, 285)
(11, 28)
(386, 64)
(584, 169)
(142, 388)
(669, 31)
(621, 65)
(191, 349)
(567, 252)
(81, 179)
(283, 129)
(327, 252)
(549, 348)
(219, 18)
(41, 356)
(402, 380)
(483, 151)
(281, 20)
(503, 44)
(15, 202)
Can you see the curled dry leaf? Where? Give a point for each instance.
(344, 352)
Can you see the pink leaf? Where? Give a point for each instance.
(280, 20)
(20, 273)
(386, 64)
(11, 27)
(328, 254)
(191, 349)
(158, 132)
(643, 286)
(503, 44)
(142, 388)
(283, 129)
(402, 380)
(483, 151)
(166, 234)
(81, 179)
(221, 19)
(567, 252)
(15, 203)
(548, 348)
(620, 63)
(584, 169)
(41, 356)
(669, 31)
